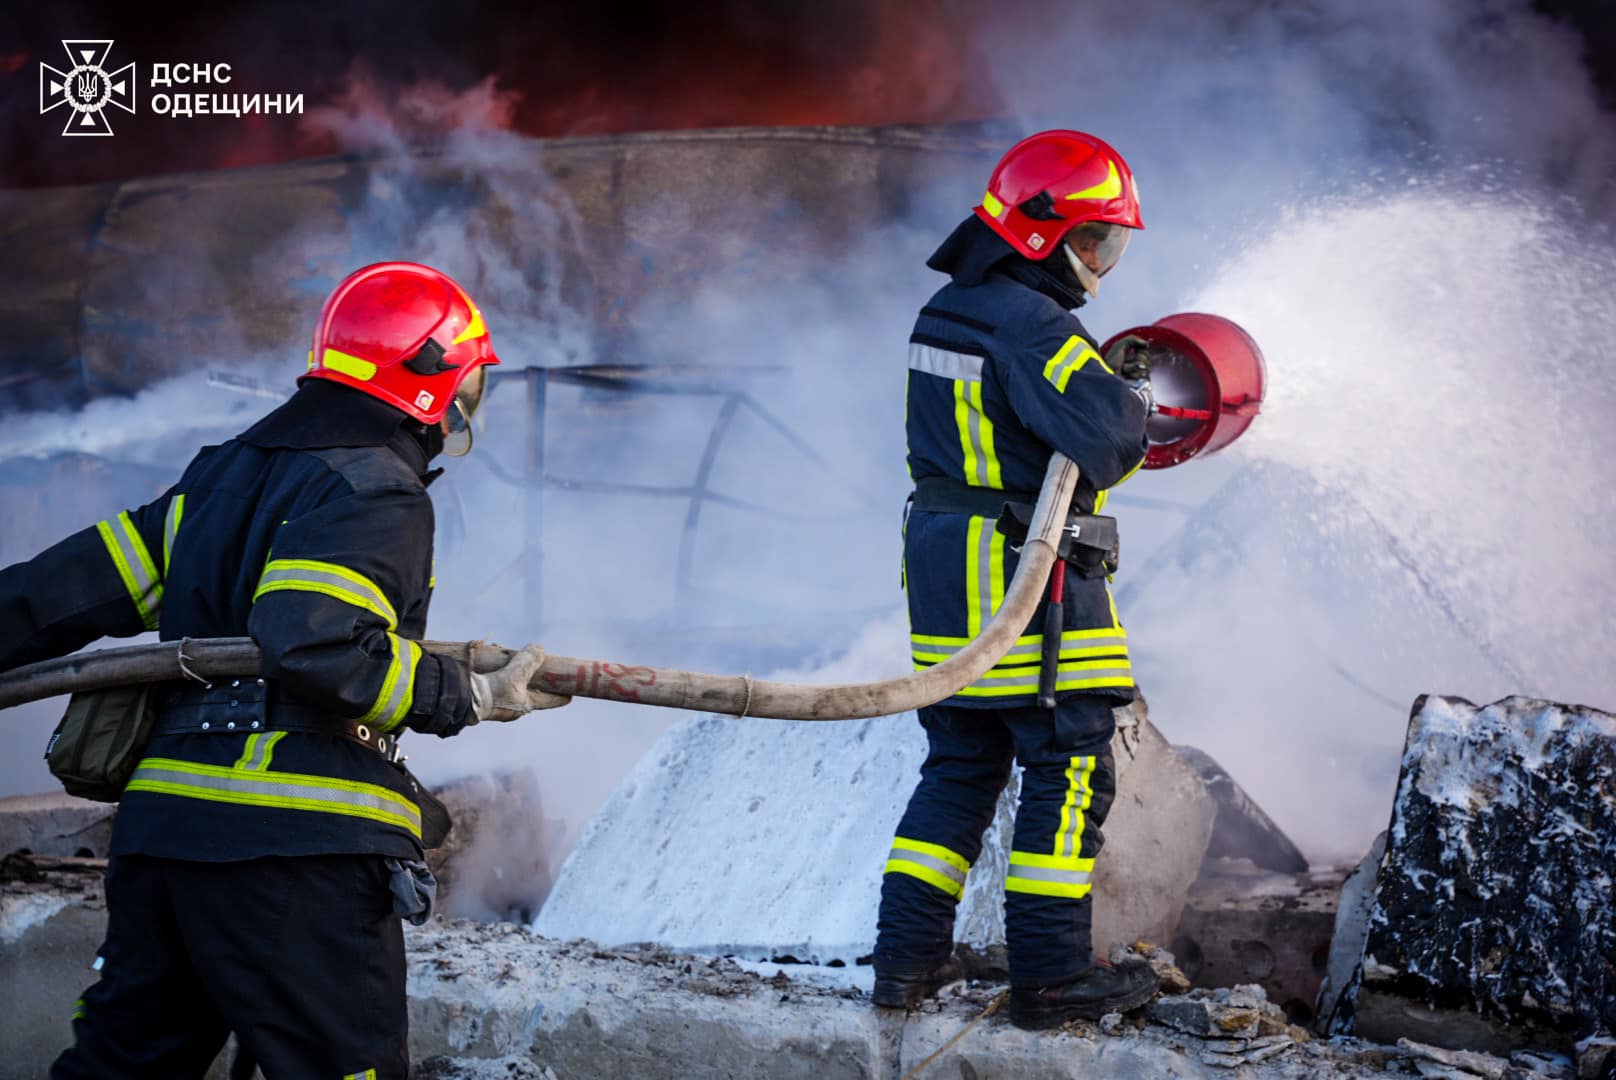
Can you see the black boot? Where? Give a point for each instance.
(1099, 990)
(907, 991)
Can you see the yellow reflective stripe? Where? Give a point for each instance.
(995, 573)
(934, 864)
(991, 203)
(1069, 837)
(1060, 368)
(1109, 188)
(134, 565)
(1047, 875)
(368, 1074)
(1029, 649)
(1101, 498)
(397, 694)
(171, 528)
(249, 753)
(962, 419)
(283, 791)
(258, 751)
(329, 579)
(269, 748)
(936, 851)
(993, 476)
(980, 459)
(352, 366)
(78, 1010)
(1116, 621)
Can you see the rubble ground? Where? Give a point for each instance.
(487, 995)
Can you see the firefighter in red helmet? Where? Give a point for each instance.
(270, 839)
(1002, 373)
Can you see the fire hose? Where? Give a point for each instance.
(735, 695)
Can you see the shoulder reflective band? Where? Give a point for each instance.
(397, 694)
(277, 790)
(171, 528)
(135, 566)
(945, 363)
(1069, 360)
(310, 575)
(932, 863)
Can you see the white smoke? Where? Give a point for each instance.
(1400, 202)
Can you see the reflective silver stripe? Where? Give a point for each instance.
(1016, 677)
(973, 425)
(277, 790)
(984, 570)
(397, 693)
(134, 565)
(364, 594)
(1078, 796)
(171, 528)
(257, 748)
(930, 862)
(1044, 873)
(1033, 652)
(950, 365)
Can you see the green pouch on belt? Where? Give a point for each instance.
(95, 749)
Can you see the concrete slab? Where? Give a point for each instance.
(55, 823)
(762, 838)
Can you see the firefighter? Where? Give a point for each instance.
(1001, 373)
(270, 839)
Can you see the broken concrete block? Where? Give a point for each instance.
(1493, 927)
(1243, 924)
(1471, 1063)
(55, 823)
(500, 857)
(764, 837)
(1347, 943)
(1241, 829)
(1238, 1013)
(1596, 1058)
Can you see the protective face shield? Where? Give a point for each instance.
(1093, 248)
(456, 423)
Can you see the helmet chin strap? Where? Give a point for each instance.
(1086, 277)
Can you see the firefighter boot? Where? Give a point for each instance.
(907, 991)
(1099, 990)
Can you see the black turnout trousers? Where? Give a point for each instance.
(302, 957)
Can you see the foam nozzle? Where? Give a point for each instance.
(1208, 378)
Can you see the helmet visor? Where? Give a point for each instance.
(1098, 245)
(457, 436)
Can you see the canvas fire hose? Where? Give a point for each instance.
(735, 695)
(1209, 378)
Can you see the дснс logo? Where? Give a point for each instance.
(87, 87)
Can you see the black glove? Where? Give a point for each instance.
(1129, 357)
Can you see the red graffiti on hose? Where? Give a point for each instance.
(618, 682)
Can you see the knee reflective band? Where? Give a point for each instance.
(397, 694)
(310, 575)
(281, 791)
(135, 566)
(931, 863)
(1065, 872)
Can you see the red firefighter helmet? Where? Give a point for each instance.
(1052, 182)
(408, 335)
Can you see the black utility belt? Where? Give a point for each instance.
(1089, 543)
(248, 706)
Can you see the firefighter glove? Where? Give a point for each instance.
(507, 694)
(1129, 357)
